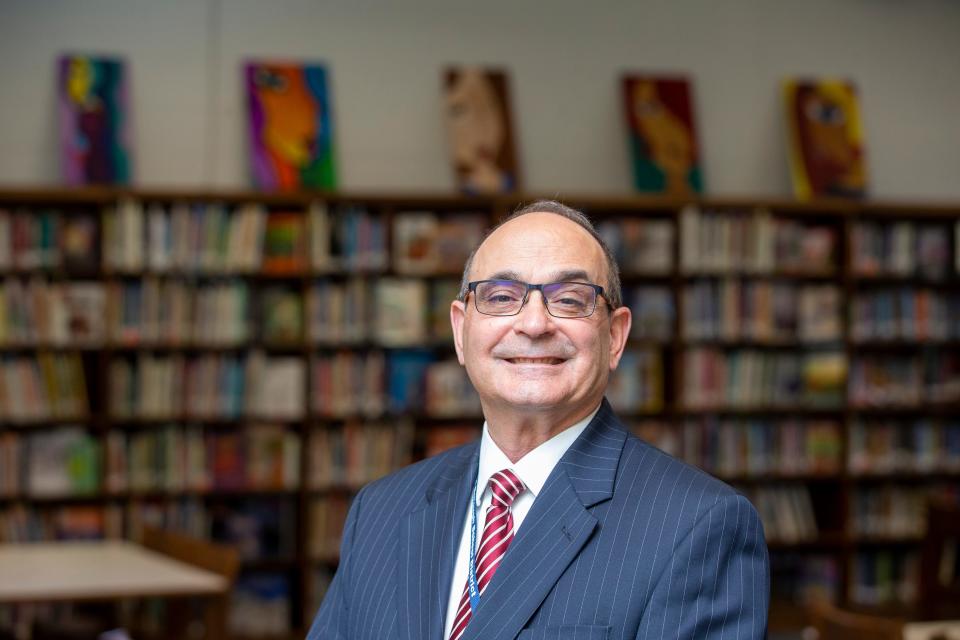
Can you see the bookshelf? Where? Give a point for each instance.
(237, 364)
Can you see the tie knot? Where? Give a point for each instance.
(505, 487)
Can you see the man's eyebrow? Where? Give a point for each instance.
(568, 275)
(505, 275)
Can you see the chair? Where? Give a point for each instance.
(220, 559)
(939, 594)
(831, 623)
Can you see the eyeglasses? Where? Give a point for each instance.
(562, 299)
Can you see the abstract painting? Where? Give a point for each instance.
(290, 125)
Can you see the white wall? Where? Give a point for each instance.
(565, 56)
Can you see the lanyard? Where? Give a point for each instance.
(472, 567)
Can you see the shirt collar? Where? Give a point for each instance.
(533, 468)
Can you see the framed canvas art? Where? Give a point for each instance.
(663, 135)
(480, 126)
(825, 139)
(93, 105)
(290, 126)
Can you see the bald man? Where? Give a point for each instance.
(558, 523)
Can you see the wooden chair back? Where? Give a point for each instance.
(939, 595)
(220, 559)
(832, 623)
(217, 558)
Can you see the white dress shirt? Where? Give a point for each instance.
(532, 469)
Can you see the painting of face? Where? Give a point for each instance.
(94, 122)
(290, 126)
(662, 135)
(826, 139)
(532, 361)
(480, 130)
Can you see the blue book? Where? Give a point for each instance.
(406, 376)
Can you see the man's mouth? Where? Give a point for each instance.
(535, 360)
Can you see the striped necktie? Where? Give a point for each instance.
(497, 534)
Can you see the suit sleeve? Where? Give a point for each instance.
(717, 583)
(332, 619)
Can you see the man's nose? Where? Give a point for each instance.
(534, 319)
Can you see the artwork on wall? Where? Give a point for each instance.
(93, 101)
(480, 125)
(290, 125)
(663, 135)
(826, 140)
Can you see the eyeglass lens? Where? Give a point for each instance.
(564, 299)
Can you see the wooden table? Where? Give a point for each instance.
(949, 629)
(104, 570)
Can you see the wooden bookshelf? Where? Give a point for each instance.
(716, 283)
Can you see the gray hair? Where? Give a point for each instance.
(612, 290)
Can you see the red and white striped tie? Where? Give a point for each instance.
(497, 534)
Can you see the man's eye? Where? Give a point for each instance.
(502, 297)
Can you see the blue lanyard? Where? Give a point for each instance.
(472, 568)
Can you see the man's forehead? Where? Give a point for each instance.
(540, 241)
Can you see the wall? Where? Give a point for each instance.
(565, 57)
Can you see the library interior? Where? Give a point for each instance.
(231, 233)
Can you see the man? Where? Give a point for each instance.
(558, 523)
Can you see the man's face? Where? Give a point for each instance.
(534, 362)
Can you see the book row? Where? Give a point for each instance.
(905, 314)
(754, 242)
(133, 236)
(172, 458)
(896, 511)
(901, 249)
(731, 448)
(358, 453)
(373, 383)
(761, 311)
(920, 446)
(889, 576)
(212, 238)
(42, 387)
(749, 378)
(908, 380)
(69, 461)
(785, 511)
(209, 386)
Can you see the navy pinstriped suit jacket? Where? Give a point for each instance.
(623, 541)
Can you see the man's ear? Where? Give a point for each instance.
(620, 321)
(457, 315)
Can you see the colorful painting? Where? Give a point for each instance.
(94, 120)
(825, 139)
(477, 105)
(291, 130)
(663, 136)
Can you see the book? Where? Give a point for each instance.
(400, 310)
(282, 316)
(825, 138)
(662, 134)
(284, 243)
(290, 126)
(94, 113)
(480, 130)
(640, 246)
(80, 243)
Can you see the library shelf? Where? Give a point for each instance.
(332, 264)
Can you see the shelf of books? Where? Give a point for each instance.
(236, 365)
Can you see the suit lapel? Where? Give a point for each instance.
(556, 528)
(429, 537)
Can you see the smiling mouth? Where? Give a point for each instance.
(535, 360)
